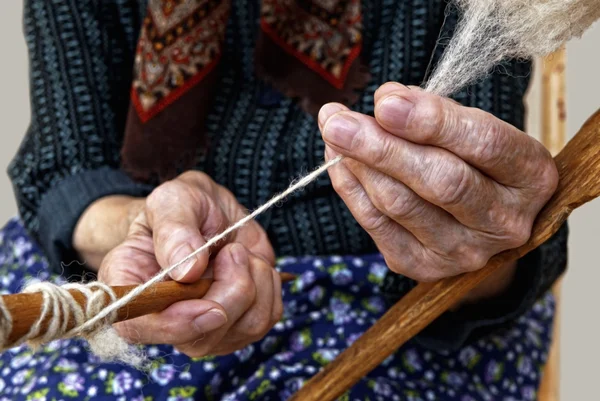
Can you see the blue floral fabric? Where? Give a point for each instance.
(333, 301)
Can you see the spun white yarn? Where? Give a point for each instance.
(489, 31)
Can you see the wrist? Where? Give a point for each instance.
(103, 226)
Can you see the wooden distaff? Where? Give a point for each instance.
(25, 308)
(579, 171)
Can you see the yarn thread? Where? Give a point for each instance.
(488, 32)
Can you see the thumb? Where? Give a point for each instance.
(176, 231)
(181, 242)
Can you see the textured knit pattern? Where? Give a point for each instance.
(81, 54)
(333, 301)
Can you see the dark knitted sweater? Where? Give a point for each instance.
(81, 55)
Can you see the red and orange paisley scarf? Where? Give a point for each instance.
(307, 49)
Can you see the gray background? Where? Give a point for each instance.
(580, 330)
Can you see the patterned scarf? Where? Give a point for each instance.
(307, 49)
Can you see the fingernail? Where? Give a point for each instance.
(183, 252)
(239, 254)
(327, 111)
(209, 321)
(388, 88)
(394, 110)
(340, 130)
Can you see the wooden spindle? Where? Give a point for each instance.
(25, 308)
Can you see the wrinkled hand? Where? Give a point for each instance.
(243, 302)
(440, 187)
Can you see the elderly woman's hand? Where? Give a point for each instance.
(243, 302)
(439, 187)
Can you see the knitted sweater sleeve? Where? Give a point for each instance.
(80, 58)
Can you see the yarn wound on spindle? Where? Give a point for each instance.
(59, 307)
(488, 32)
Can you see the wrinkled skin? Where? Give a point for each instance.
(439, 187)
(174, 220)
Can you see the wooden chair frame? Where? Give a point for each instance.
(553, 136)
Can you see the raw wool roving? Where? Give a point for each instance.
(493, 30)
(488, 32)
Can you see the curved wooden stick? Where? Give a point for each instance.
(579, 170)
(26, 307)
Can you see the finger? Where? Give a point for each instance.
(231, 343)
(327, 111)
(251, 235)
(435, 174)
(436, 229)
(403, 253)
(177, 324)
(178, 216)
(391, 87)
(233, 288)
(257, 320)
(130, 263)
(495, 147)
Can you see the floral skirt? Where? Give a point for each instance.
(334, 300)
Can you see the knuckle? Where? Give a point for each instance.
(489, 143)
(378, 151)
(431, 119)
(451, 182)
(171, 192)
(401, 204)
(518, 233)
(470, 258)
(513, 227)
(190, 175)
(245, 290)
(548, 178)
(405, 263)
(374, 222)
(344, 185)
(258, 324)
(157, 196)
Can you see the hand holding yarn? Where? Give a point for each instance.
(440, 187)
(483, 211)
(178, 216)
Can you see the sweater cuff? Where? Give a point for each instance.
(536, 272)
(62, 205)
